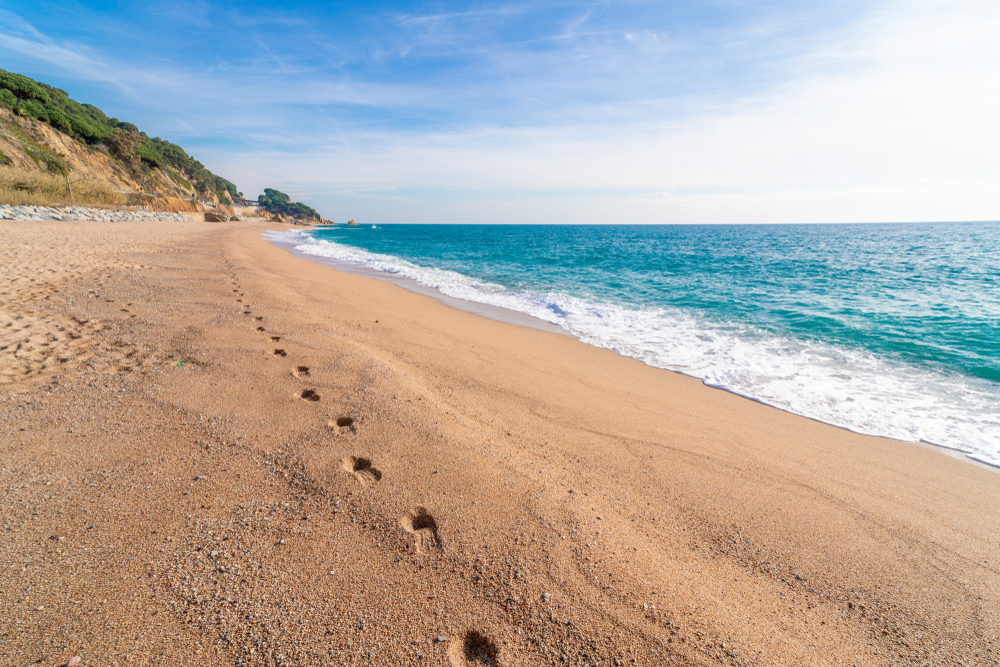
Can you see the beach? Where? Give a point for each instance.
(213, 451)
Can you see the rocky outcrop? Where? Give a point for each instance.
(84, 213)
(216, 216)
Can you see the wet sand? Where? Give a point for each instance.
(215, 452)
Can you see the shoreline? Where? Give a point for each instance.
(509, 316)
(495, 313)
(214, 452)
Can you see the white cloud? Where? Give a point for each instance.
(905, 129)
(892, 119)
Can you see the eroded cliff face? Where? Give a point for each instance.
(38, 147)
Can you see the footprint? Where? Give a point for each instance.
(278, 353)
(309, 395)
(344, 423)
(261, 329)
(363, 469)
(259, 317)
(275, 339)
(300, 371)
(421, 524)
(474, 649)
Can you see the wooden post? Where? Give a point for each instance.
(70, 188)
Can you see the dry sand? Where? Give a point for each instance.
(215, 453)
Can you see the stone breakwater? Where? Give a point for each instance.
(8, 212)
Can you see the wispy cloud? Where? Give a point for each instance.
(21, 37)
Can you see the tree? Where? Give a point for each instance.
(22, 87)
(274, 201)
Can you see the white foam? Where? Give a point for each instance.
(851, 388)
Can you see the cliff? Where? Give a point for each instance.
(44, 133)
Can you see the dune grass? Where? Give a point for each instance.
(19, 187)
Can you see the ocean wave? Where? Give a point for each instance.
(851, 388)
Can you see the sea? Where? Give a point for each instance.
(884, 329)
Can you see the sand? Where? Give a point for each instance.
(213, 452)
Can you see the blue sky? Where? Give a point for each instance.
(659, 112)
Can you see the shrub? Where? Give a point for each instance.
(149, 154)
(122, 145)
(59, 120)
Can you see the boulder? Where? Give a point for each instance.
(213, 216)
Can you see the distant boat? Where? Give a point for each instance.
(374, 227)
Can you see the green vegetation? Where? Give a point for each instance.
(279, 203)
(22, 88)
(89, 125)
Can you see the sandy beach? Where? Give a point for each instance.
(213, 452)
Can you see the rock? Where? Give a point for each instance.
(211, 216)
(546, 596)
(441, 639)
(214, 554)
(72, 662)
(352, 223)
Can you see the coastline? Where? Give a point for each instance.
(481, 466)
(506, 315)
(495, 313)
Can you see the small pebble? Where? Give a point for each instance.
(214, 554)
(75, 660)
(546, 596)
(441, 639)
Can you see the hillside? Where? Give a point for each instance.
(43, 130)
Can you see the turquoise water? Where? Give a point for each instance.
(887, 329)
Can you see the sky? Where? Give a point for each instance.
(751, 111)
